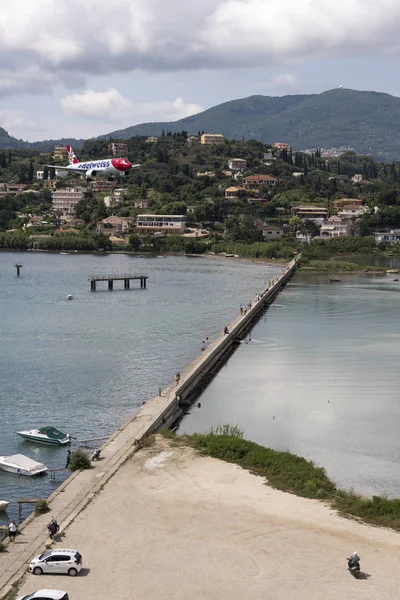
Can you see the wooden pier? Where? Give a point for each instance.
(111, 278)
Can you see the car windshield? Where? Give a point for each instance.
(44, 556)
(78, 556)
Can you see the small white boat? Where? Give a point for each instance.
(21, 465)
(46, 435)
(3, 505)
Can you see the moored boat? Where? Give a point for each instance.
(3, 505)
(21, 465)
(46, 435)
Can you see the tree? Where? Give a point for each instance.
(295, 223)
(30, 172)
(135, 241)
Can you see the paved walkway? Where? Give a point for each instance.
(79, 489)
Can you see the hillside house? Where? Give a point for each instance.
(101, 185)
(388, 237)
(312, 212)
(254, 181)
(161, 223)
(151, 139)
(345, 201)
(118, 149)
(357, 178)
(142, 204)
(237, 164)
(232, 192)
(272, 232)
(65, 200)
(113, 225)
(282, 146)
(335, 227)
(351, 211)
(207, 139)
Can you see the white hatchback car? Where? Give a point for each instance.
(46, 595)
(57, 561)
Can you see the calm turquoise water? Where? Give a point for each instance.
(320, 378)
(86, 365)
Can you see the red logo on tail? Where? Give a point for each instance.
(71, 156)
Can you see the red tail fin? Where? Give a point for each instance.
(71, 156)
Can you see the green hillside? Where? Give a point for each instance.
(368, 122)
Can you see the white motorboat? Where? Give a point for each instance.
(3, 505)
(46, 435)
(21, 465)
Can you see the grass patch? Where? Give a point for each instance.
(290, 473)
(41, 507)
(79, 460)
(148, 440)
(167, 433)
(13, 592)
(336, 265)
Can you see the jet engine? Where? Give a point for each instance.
(90, 174)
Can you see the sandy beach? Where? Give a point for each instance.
(172, 524)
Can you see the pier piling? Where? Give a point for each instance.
(18, 267)
(111, 278)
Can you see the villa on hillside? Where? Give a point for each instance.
(207, 139)
(254, 181)
(312, 212)
(237, 164)
(114, 224)
(388, 237)
(272, 232)
(351, 211)
(335, 227)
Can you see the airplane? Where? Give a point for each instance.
(92, 168)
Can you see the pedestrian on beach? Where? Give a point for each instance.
(177, 378)
(68, 459)
(12, 531)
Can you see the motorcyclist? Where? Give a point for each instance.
(353, 560)
(96, 454)
(53, 527)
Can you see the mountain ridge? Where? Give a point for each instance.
(366, 121)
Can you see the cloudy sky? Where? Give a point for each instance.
(81, 68)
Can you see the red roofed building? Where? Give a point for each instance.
(254, 181)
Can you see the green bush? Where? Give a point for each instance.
(41, 507)
(79, 461)
(283, 470)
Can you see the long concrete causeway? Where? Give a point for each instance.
(163, 410)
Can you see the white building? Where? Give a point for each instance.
(118, 149)
(335, 227)
(237, 164)
(112, 200)
(351, 211)
(161, 223)
(65, 200)
(272, 232)
(389, 237)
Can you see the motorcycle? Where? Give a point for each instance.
(53, 528)
(96, 455)
(354, 568)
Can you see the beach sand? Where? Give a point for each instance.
(172, 524)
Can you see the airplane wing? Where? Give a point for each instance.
(58, 168)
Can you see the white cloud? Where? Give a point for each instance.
(113, 107)
(16, 120)
(86, 37)
(286, 82)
